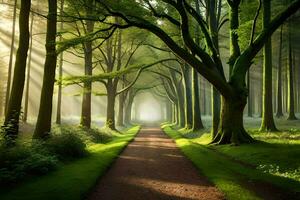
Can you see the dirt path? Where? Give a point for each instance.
(153, 168)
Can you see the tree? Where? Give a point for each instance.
(25, 114)
(267, 123)
(290, 77)
(208, 64)
(61, 62)
(11, 123)
(43, 125)
(279, 112)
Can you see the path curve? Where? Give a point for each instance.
(153, 168)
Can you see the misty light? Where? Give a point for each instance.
(149, 109)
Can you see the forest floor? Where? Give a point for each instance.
(152, 167)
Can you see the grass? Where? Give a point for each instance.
(73, 180)
(232, 178)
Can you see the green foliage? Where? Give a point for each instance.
(67, 146)
(23, 160)
(73, 180)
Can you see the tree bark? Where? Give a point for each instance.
(43, 125)
(197, 121)
(85, 120)
(110, 111)
(11, 123)
(279, 112)
(187, 84)
(25, 114)
(231, 128)
(290, 77)
(267, 115)
(120, 119)
(128, 108)
(61, 62)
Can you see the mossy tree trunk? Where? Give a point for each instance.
(43, 125)
(268, 123)
(11, 123)
(231, 125)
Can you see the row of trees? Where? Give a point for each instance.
(191, 40)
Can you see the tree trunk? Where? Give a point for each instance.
(231, 128)
(267, 115)
(110, 111)
(61, 62)
(11, 57)
(215, 106)
(120, 119)
(279, 112)
(25, 114)
(88, 70)
(197, 121)
(43, 125)
(215, 96)
(181, 115)
(188, 112)
(128, 108)
(11, 123)
(290, 77)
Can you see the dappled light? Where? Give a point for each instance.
(150, 99)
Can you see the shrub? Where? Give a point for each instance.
(23, 160)
(66, 146)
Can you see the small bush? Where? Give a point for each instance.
(66, 146)
(23, 160)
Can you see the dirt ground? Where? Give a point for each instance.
(152, 167)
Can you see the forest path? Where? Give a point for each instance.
(153, 168)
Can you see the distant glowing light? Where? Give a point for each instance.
(149, 110)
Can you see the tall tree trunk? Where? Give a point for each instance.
(279, 112)
(25, 114)
(197, 121)
(187, 84)
(267, 118)
(110, 111)
(290, 77)
(61, 62)
(88, 70)
(181, 115)
(8, 85)
(231, 128)
(120, 119)
(43, 125)
(11, 123)
(128, 108)
(215, 96)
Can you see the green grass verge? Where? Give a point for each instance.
(73, 180)
(230, 177)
